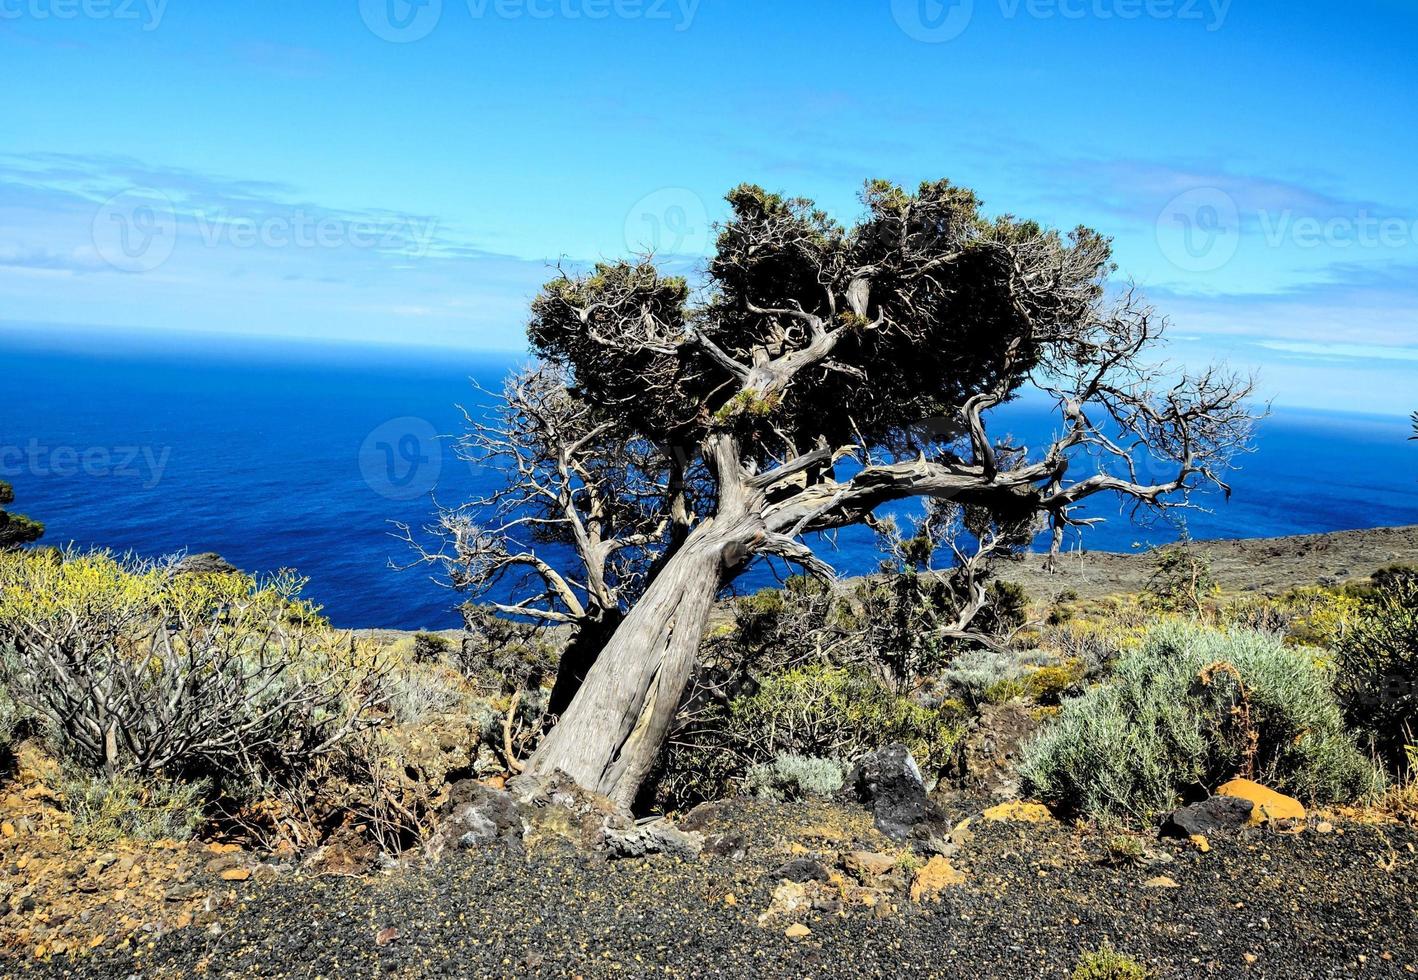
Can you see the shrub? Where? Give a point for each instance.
(1308, 616)
(414, 695)
(1181, 579)
(1188, 710)
(134, 669)
(9, 719)
(109, 809)
(1125, 848)
(1098, 635)
(814, 711)
(15, 529)
(1049, 684)
(1107, 963)
(985, 676)
(502, 656)
(792, 777)
(10, 713)
(430, 646)
(1377, 667)
(838, 712)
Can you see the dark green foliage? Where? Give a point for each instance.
(1377, 676)
(1181, 579)
(801, 672)
(430, 646)
(15, 529)
(817, 711)
(107, 809)
(954, 326)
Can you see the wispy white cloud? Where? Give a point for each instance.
(1340, 352)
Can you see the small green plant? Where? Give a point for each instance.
(106, 810)
(1188, 710)
(840, 712)
(1106, 963)
(792, 777)
(1181, 579)
(1125, 848)
(909, 862)
(1049, 684)
(1003, 691)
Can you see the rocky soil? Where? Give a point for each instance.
(1023, 896)
(1263, 565)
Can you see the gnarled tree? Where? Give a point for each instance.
(584, 507)
(829, 371)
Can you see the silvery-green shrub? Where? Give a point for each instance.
(791, 777)
(1188, 710)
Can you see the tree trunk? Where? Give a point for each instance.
(579, 657)
(611, 733)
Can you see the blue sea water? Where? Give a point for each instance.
(291, 455)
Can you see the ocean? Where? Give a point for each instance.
(281, 454)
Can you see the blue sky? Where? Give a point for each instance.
(377, 170)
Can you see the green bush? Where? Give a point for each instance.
(815, 711)
(430, 646)
(1107, 963)
(985, 676)
(9, 719)
(792, 777)
(10, 713)
(106, 810)
(840, 712)
(1188, 710)
(1377, 668)
(1181, 579)
(132, 667)
(15, 529)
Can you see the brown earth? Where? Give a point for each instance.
(1262, 565)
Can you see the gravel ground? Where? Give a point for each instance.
(1261, 905)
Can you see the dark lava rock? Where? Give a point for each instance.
(476, 815)
(889, 782)
(702, 815)
(801, 870)
(1218, 814)
(985, 763)
(207, 563)
(731, 845)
